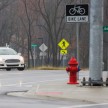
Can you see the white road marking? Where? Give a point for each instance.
(28, 83)
(28, 86)
(37, 88)
(9, 85)
(20, 83)
(82, 106)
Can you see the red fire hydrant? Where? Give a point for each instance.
(72, 69)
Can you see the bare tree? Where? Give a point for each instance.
(5, 21)
(5, 3)
(53, 24)
(28, 27)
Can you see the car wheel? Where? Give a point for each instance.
(8, 69)
(21, 69)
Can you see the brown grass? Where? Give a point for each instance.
(49, 68)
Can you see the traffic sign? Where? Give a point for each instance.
(63, 44)
(77, 13)
(43, 47)
(34, 45)
(63, 52)
(105, 28)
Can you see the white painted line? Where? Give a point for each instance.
(20, 83)
(82, 106)
(37, 88)
(43, 81)
(28, 86)
(25, 83)
(9, 85)
(53, 80)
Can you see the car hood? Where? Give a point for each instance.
(10, 57)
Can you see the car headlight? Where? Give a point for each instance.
(22, 59)
(1, 60)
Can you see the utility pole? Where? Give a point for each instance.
(96, 41)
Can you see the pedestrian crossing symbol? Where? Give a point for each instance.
(63, 44)
(63, 52)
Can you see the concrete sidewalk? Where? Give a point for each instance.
(62, 90)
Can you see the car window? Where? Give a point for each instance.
(7, 52)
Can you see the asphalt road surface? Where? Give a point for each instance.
(23, 80)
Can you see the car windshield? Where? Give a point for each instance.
(7, 51)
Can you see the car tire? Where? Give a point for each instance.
(21, 69)
(8, 69)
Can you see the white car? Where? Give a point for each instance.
(9, 59)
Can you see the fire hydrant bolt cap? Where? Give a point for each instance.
(73, 61)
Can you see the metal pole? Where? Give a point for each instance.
(106, 62)
(96, 40)
(34, 56)
(63, 61)
(77, 34)
(77, 37)
(43, 59)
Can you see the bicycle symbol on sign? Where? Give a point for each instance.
(78, 10)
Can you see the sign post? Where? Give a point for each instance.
(43, 48)
(34, 50)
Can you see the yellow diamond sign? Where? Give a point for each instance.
(63, 52)
(63, 44)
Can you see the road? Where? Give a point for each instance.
(23, 80)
